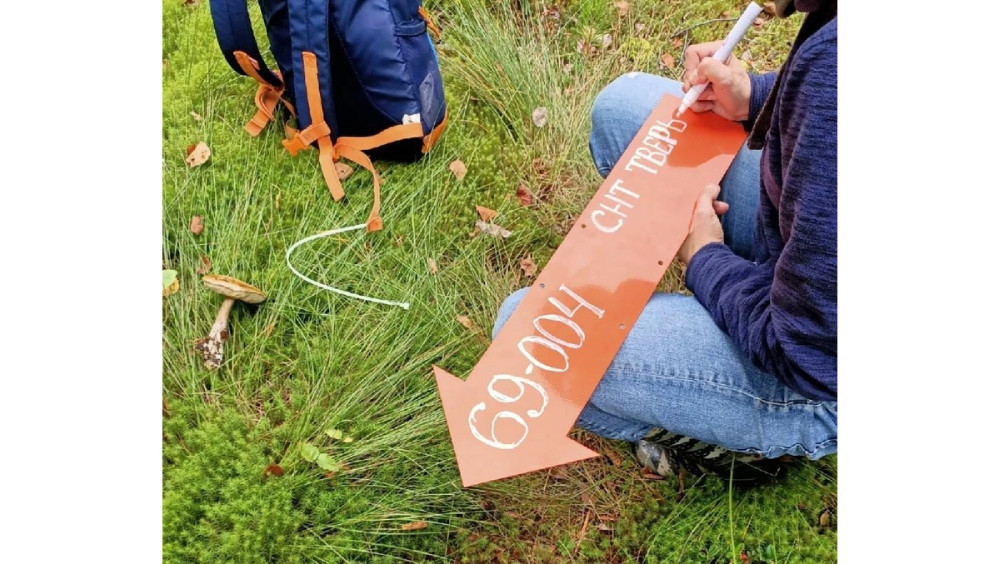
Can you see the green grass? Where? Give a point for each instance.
(306, 361)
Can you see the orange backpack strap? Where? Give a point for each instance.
(352, 147)
(318, 131)
(267, 97)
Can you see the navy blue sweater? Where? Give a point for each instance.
(781, 307)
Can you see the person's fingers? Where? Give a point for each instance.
(695, 53)
(712, 71)
(720, 207)
(706, 201)
(702, 107)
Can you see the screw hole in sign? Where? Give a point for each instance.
(542, 285)
(659, 262)
(583, 226)
(621, 325)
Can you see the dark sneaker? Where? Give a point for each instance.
(666, 453)
(654, 457)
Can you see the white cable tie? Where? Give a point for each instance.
(288, 255)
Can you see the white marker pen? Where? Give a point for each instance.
(737, 33)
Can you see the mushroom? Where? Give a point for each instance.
(211, 347)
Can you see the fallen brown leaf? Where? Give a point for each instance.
(824, 517)
(273, 470)
(198, 155)
(172, 288)
(458, 169)
(623, 7)
(465, 321)
(528, 266)
(486, 214)
(524, 195)
(490, 229)
(539, 116)
(433, 265)
(414, 526)
(196, 225)
(206, 266)
(343, 170)
(677, 42)
(667, 61)
(649, 474)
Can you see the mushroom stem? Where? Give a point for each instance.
(211, 347)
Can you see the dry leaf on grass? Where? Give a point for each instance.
(465, 321)
(528, 266)
(170, 282)
(206, 265)
(195, 116)
(273, 470)
(433, 265)
(539, 116)
(677, 42)
(623, 7)
(486, 214)
(198, 155)
(667, 61)
(343, 170)
(491, 229)
(196, 225)
(524, 195)
(457, 167)
(414, 526)
(650, 475)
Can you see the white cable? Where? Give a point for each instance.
(288, 254)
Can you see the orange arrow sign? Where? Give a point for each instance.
(513, 413)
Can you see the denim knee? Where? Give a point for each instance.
(620, 110)
(506, 309)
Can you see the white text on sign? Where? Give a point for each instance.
(658, 144)
(544, 325)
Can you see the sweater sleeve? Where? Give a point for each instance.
(782, 312)
(760, 87)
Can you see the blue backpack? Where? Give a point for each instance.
(361, 78)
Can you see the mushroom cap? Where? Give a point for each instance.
(233, 288)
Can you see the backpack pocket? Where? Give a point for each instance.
(421, 63)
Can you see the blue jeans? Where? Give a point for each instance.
(676, 369)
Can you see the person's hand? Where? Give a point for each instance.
(705, 225)
(728, 90)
